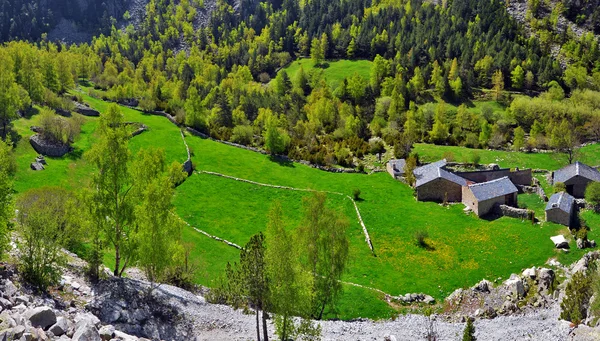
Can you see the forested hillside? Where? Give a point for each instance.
(212, 77)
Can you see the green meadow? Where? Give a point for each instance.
(334, 71)
(463, 249)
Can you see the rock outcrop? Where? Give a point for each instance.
(48, 148)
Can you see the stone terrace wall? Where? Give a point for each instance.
(518, 177)
(512, 212)
(44, 147)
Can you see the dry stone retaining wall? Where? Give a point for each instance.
(47, 148)
(512, 212)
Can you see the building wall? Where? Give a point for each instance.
(437, 189)
(390, 170)
(558, 216)
(469, 199)
(482, 208)
(520, 177)
(579, 185)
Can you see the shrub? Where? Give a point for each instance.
(469, 332)
(59, 129)
(475, 158)
(592, 195)
(420, 237)
(559, 187)
(577, 297)
(581, 233)
(242, 134)
(47, 222)
(449, 156)
(356, 194)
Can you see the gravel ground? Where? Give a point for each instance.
(219, 322)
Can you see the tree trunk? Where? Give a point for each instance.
(321, 312)
(284, 331)
(265, 331)
(117, 261)
(257, 326)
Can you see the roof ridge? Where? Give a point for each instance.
(487, 182)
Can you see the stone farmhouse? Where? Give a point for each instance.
(576, 177)
(561, 209)
(396, 168)
(481, 198)
(434, 183)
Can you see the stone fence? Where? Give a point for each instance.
(48, 148)
(513, 212)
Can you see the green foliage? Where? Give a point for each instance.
(475, 158)
(323, 236)
(420, 237)
(559, 187)
(577, 296)
(592, 195)
(469, 331)
(7, 165)
(59, 129)
(356, 194)
(409, 167)
(46, 222)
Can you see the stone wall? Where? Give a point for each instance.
(47, 148)
(469, 199)
(86, 110)
(513, 212)
(518, 177)
(558, 216)
(579, 185)
(436, 191)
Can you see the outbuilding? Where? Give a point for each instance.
(561, 209)
(434, 183)
(481, 198)
(396, 167)
(576, 177)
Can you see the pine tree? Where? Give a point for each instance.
(437, 79)
(469, 332)
(517, 77)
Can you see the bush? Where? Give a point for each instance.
(59, 129)
(420, 237)
(47, 222)
(559, 187)
(469, 332)
(577, 297)
(592, 195)
(242, 135)
(475, 158)
(449, 156)
(356, 194)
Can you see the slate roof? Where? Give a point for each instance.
(493, 189)
(561, 200)
(575, 169)
(398, 165)
(433, 173)
(419, 171)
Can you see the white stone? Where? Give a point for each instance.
(560, 242)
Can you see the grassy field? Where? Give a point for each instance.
(334, 72)
(464, 249)
(549, 161)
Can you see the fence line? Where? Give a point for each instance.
(360, 220)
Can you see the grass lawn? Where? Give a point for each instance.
(334, 72)
(549, 161)
(464, 249)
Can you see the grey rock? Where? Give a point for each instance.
(546, 278)
(42, 317)
(529, 273)
(428, 299)
(15, 332)
(86, 332)
(592, 243)
(107, 332)
(60, 327)
(40, 158)
(389, 338)
(560, 242)
(36, 166)
(7, 321)
(22, 300)
(483, 286)
(581, 244)
(10, 289)
(86, 110)
(5, 304)
(515, 286)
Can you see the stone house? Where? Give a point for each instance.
(396, 167)
(576, 177)
(482, 197)
(434, 183)
(561, 209)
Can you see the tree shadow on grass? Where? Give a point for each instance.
(75, 154)
(282, 161)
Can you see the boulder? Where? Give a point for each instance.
(509, 307)
(22, 300)
(560, 242)
(9, 289)
(107, 332)
(60, 327)
(36, 166)
(581, 244)
(85, 110)
(428, 299)
(389, 338)
(15, 333)
(515, 286)
(483, 286)
(86, 332)
(529, 273)
(6, 321)
(41, 159)
(546, 278)
(42, 317)
(86, 319)
(592, 243)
